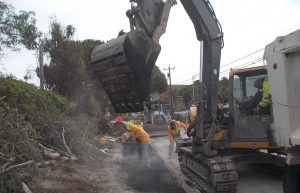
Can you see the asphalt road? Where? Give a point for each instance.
(138, 179)
(250, 180)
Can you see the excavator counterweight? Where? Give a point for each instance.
(123, 66)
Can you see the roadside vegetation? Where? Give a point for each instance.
(27, 119)
(37, 128)
(60, 122)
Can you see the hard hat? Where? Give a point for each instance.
(258, 83)
(129, 125)
(172, 123)
(134, 122)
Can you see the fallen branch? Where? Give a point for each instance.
(49, 152)
(4, 158)
(64, 142)
(39, 164)
(25, 188)
(84, 134)
(3, 97)
(18, 166)
(8, 161)
(50, 147)
(58, 150)
(46, 163)
(68, 158)
(54, 155)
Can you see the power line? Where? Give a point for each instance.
(222, 73)
(187, 80)
(242, 65)
(242, 58)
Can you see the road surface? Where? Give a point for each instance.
(250, 180)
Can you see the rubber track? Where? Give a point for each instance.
(206, 186)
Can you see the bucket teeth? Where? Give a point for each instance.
(123, 66)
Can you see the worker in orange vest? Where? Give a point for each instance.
(174, 133)
(143, 139)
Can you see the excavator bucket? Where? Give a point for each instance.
(123, 66)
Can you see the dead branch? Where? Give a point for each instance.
(50, 147)
(2, 154)
(4, 158)
(5, 165)
(64, 142)
(58, 150)
(72, 157)
(3, 97)
(84, 134)
(46, 163)
(25, 188)
(9, 161)
(52, 154)
(18, 166)
(69, 158)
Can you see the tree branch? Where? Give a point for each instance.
(18, 166)
(3, 97)
(84, 134)
(64, 142)
(25, 188)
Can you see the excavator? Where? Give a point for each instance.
(219, 143)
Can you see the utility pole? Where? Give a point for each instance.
(170, 85)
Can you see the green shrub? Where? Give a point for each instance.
(25, 115)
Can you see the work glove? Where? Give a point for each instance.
(191, 132)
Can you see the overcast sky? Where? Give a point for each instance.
(248, 25)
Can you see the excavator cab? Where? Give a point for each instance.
(247, 127)
(123, 66)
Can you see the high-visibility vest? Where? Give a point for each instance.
(174, 133)
(140, 134)
(266, 99)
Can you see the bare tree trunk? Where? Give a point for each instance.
(41, 63)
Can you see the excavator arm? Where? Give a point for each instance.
(123, 65)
